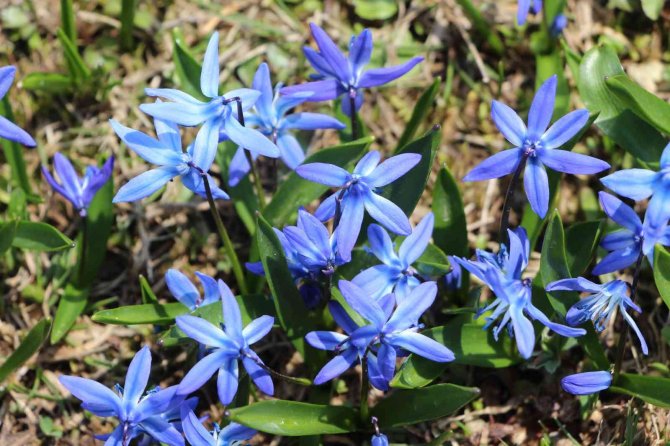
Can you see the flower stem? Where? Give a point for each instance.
(624, 335)
(254, 171)
(504, 220)
(82, 254)
(338, 209)
(352, 115)
(223, 233)
(291, 379)
(365, 390)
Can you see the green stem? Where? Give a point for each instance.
(507, 205)
(624, 335)
(223, 233)
(254, 171)
(352, 115)
(81, 258)
(365, 390)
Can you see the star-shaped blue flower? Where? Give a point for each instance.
(165, 151)
(396, 273)
(216, 115)
(269, 116)
(601, 304)
(358, 193)
(587, 383)
(138, 412)
(624, 245)
(503, 275)
(339, 75)
(638, 184)
(537, 147)
(228, 344)
(185, 292)
(197, 435)
(78, 191)
(524, 9)
(8, 129)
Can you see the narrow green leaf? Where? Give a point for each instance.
(482, 26)
(296, 191)
(30, 344)
(615, 118)
(404, 407)
(422, 108)
(662, 272)
(554, 266)
(77, 66)
(646, 105)
(187, 68)
(68, 20)
(242, 195)
(7, 231)
(53, 83)
(650, 389)
(37, 236)
(152, 313)
(127, 22)
(433, 262)
(148, 296)
(406, 190)
(294, 419)
(581, 241)
(451, 232)
(70, 306)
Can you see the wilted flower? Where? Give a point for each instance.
(502, 274)
(396, 273)
(601, 304)
(339, 75)
(185, 292)
(220, 113)
(139, 412)
(639, 184)
(537, 147)
(358, 193)
(8, 129)
(624, 245)
(269, 116)
(78, 191)
(228, 344)
(587, 383)
(197, 435)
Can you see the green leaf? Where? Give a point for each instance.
(14, 153)
(127, 22)
(433, 262)
(187, 68)
(242, 195)
(662, 272)
(616, 119)
(646, 105)
(451, 232)
(482, 26)
(554, 266)
(650, 389)
(153, 313)
(652, 8)
(76, 65)
(70, 306)
(375, 9)
(581, 241)
(406, 190)
(54, 83)
(37, 236)
(67, 20)
(404, 407)
(30, 344)
(296, 191)
(148, 296)
(471, 344)
(92, 243)
(423, 106)
(293, 316)
(7, 231)
(294, 419)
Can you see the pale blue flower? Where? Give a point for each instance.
(9, 130)
(587, 383)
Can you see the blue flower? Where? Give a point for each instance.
(197, 435)
(537, 147)
(558, 25)
(139, 412)
(359, 192)
(524, 9)
(228, 344)
(396, 274)
(165, 151)
(216, 115)
(388, 333)
(172, 416)
(338, 75)
(185, 292)
(503, 275)
(624, 245)
(601, 304)
(78, 191)
(379, 440)
(639, 184)
(269, 117)
(587, 383)
(8, 129)
(454, 278)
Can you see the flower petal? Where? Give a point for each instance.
(411, 308)
(325, 340)
(496, 166)
(658, 210)
(258, 374)
(13, 132)
(341, 317)
(392, 169)
(336, 366)
(564, 129)
(586, 383)
(380, 76)
(524, 333)
(386, 358)
(202, 371)
(542, 108)
(377, 281)
(209, 75)
(387, 213)
(322, 173)
(137, 377)
(509, 123)
(416, 243)
(182, 288)
(636, 184)
(6, 79)
(349, 227)
(570, 162)
(361, 303)
(210, 287)
(331, 53)
(162, 431)
(616, 260)
(577, 284)
(323, 90)
(257, 329)
(423, 346)
(633, 325)
(182, 113)
(145, 184)
(290, 150)
(536, 184)
(206, 144)
(227, 381)
(204, 332)
(195, 432)
(311, 121)
(231, 312)
(360, 50)
(92, 392)
(327, 208)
